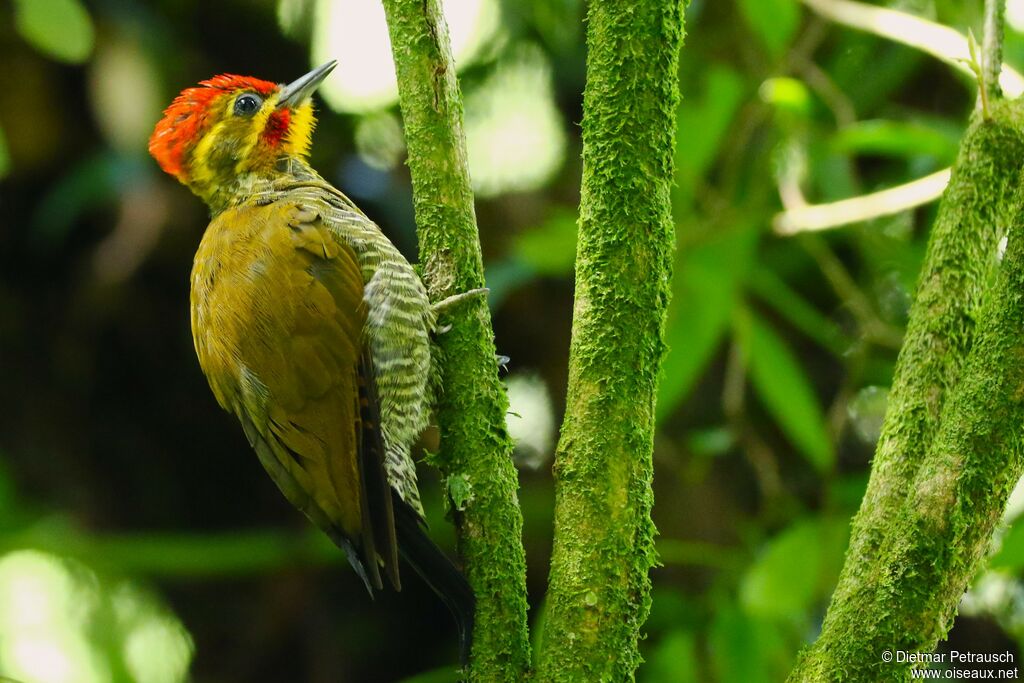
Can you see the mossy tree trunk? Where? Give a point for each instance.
(950, 450)
(476, 451)
(598, 596)
(599, 593)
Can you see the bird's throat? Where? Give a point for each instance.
(223, 191)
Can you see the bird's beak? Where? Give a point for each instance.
(299, 90)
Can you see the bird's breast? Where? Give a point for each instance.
(254, 296)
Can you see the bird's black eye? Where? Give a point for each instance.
(247, 104)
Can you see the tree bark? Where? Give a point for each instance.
(599, 590)
(475, 447)
(949, 451)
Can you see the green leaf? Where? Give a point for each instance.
(702, 124)
(796, 570)
(767, 286)
(832, 175)
(773, 21)
(60, 28)
(674, 659)
(870, 72)
(788, 96)
(1011, 552)
(745, 649)
(781, 583)
(899, 139)
(551, 248)
(708, 282)
(783, 386)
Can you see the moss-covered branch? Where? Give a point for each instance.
(938, 479)
(476, 449)
(598, 596)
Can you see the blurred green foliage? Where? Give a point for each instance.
(781, 383)
(119, 471)
(774, 22)
(60, 28)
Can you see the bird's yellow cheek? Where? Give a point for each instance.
(202, 158)
(300, 131)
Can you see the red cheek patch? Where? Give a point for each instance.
(277, 127)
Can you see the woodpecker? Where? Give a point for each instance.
(311, 327)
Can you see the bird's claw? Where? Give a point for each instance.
(444, 304)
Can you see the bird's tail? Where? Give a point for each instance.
(436, 570)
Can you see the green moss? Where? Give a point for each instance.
(475, 448)
(949, 451)
(599, 593)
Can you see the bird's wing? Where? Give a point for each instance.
(401, 322)
(292, 297)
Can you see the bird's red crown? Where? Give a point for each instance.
(191, 114)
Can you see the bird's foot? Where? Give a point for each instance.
(446, 304)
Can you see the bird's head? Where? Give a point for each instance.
(232, 127)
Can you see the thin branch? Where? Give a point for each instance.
(758, 454)
(992, 46)
(871, 324)
(831, 94)
(815, 217)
